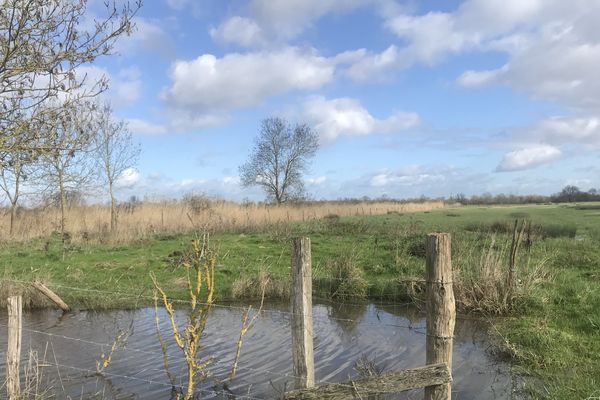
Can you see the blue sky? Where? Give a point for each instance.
(409, 98)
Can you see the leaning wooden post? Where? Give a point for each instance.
(13, 352)
(441, 311)
(52, 296)
(302, 326)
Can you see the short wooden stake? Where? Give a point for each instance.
(13, 352)
(302, 326)
(52, 296)
(441, 311)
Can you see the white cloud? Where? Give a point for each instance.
(129, 178)
(320, 180)
(371, 66)
(278, 20)
(232, 180)
(472, 79)
(346, 116)
(243, 31)
(148, 35)
(178, 4)
(561, 130)
(411, 176)
(209, 83)
(124, 86)
(528, 157)
(141, 126)
(553, 48)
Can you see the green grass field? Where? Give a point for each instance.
(550, 331)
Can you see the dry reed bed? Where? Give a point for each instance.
(142, 220)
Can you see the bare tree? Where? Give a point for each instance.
(66, 165)
(42, 44)
(280, 156)
(115, 153)
(15, 167)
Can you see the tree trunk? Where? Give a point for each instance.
(113, 208)
(63, 200)
(13, 215)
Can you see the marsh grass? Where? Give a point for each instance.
(345, 278)
(253, 288)
(481, 281)
(138, 221)
(549, 330)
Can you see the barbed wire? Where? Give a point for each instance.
(160, 354)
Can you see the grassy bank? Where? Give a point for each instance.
(552, 328)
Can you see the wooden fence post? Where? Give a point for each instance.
(52, 296)
(441, 312)
(13, 351)
(302, 326)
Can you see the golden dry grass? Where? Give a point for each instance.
(142, 220)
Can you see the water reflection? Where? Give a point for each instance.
(392, 336)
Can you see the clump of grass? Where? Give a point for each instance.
(253, 287)
(411, 245)
(482, 284)
(347, 278)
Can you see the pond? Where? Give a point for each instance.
(392, 336)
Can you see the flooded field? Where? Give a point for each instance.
(392, 336)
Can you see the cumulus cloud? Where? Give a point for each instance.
(129, 178)
(473, 25)
(148, 35)
(553, 51)
(237, 80)
(561, 130)
(528, 157)
(178, 4)
(268, 21)
(415, 175)
(416, 180)
(124, 86)
(372, 65)
(347, 117)
(243, 31)
(140, 126)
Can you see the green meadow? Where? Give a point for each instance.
(549, 328)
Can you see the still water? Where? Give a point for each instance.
(391, 336)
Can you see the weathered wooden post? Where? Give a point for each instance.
(13, 351)
(514, 251)
(52, 296)
(302, 326)
(441, 311)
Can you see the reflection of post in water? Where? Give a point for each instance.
(347, 316)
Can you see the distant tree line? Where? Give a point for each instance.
(569, 194)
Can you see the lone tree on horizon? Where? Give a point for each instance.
(281, 155)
